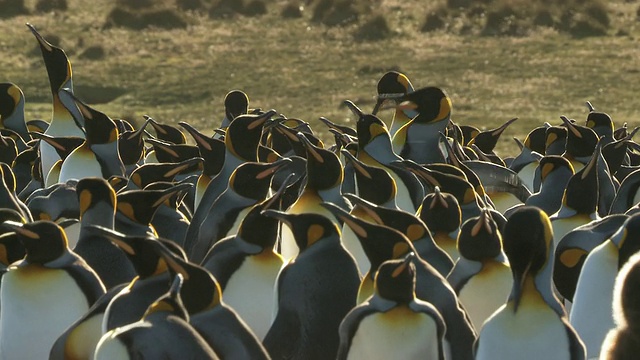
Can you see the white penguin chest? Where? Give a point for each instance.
(80, 164)
(251, 291)
(397, 334)
(486, 291)
(38, 304)
(533, 332)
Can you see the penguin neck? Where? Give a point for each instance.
(379, 149)
(101, 214)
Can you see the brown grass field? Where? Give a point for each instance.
(305, 69)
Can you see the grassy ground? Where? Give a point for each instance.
(305, 70)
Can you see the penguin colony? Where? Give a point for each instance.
(408, 241)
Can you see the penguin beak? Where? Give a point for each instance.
(275, 166)
(347, 218)
(311, 149)
(357, 164)
(274, 198)
(43, 43)
(484, 220)
(354, 108)
(19, 228)
(260, 121)
(117, 238)
(570, 126)
(403, 265)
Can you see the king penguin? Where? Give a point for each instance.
(393, 324)
(97, 202)
(441, 213)
(532, 323)
(12, 110)
(65, 113)
(623, 342)
(165, 319)
(382, 243)
(44, 293)
(481, 277)
(591, 311)
(315, 290)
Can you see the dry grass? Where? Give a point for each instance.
(305, 69)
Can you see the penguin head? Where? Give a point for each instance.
(131, 144)
(396, 279)
(440, 211)
(11, 97)
(626, 295)
(252, 179)
(407, 223)
(99, 128)
(535, 139)
(211, 149)
(63, 145)
(379, 242)
(43, 240)
(627, 239)
(324, 168)
(153, 172)
(391, 86)
(431, 103)
(236, 103)
(171, 302)
(94, 191)
(11, 249)
(527, 242)
(56, 61)
(244, 133)
(140, 250)
(581, 193)
(165, 132)
(307, 228)
(479, 238)
(259, 229)
(169, 152)
(374, 183)
(601, 123)
(140, 205)
(551, 163)
(581, 140)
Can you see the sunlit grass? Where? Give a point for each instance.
(305, 69)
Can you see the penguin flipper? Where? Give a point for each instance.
(577, 349)
(283, 336)
(349, 326)
(228, 335)
(462, 271)
(88, 281)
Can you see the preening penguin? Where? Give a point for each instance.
(393, 323)
(44, 293)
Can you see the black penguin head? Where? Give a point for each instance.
(167, 133)
(479, 238)
(324, 168)
(244, 133)
(391, 86)
(236, 103)
(551, 163)
(10, 97)
(431, 103)
(153, 172)
(626, 295)
(62, 145)
(56, 61)
(92, 191)
(211, 150)
(171, 302)
(408, 224)
(601, 123)
(99, 128)
(527, 239)
(395, 279)
(440, 211)
(44, 241)
(379, 242)
(253, 179)
(535, 139)
(140, 250)
(308, 229)
(141, 205)
(374, 183)
(487, 140)
(581, 140)
(581, 193)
